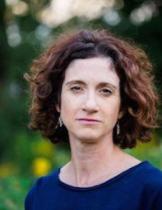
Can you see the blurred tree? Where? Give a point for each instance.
(3, 42)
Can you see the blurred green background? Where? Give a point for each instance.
(26, 28)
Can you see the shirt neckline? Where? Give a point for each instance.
(109, 181)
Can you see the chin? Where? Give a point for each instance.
(88, 138)
(88, 141)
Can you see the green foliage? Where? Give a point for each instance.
(12, 192)
(152, 154)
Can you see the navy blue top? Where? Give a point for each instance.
(137, 188)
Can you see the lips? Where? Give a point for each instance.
(89, 120)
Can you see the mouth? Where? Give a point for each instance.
(88, 121)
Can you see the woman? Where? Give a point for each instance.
(95, 91)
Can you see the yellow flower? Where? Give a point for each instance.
(41, 166)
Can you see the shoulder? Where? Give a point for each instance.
(41, 185)
(145, 176)
(148, 175)
(152, 176)
(152, 182)
(48, 180)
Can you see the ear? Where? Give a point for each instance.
(57, 108)
(121, 113)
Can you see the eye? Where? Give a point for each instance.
(75, 88)
(106, 91)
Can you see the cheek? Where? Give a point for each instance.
(113, 109)
(68, 105)
(65, 103)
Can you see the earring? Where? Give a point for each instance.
(60, 122)
(117, 128)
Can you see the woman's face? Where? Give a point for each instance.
(90, 99)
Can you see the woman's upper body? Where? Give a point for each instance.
(137, 188)
(100, 90)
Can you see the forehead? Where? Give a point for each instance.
(98, 69)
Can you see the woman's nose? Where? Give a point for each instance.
(90, 102)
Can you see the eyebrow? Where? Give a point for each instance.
(101, 84)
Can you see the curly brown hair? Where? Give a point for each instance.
(138, 94)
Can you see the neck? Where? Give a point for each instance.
(89, 160)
